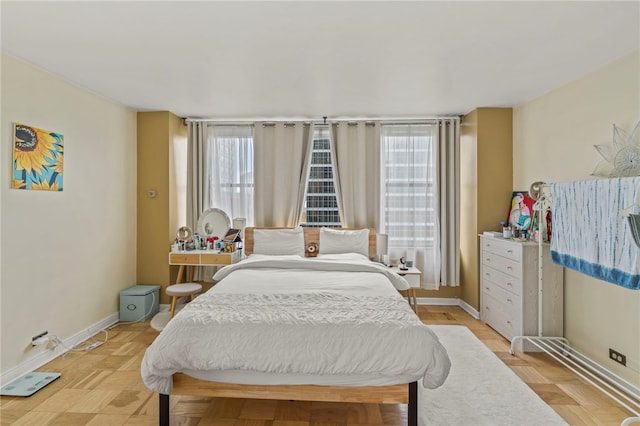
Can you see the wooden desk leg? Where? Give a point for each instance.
(174, 299)
(179, 276)
(190, 273)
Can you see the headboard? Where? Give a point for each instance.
(311, 235)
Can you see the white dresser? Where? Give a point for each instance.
(509, 289)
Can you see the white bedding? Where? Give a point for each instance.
(334, 316)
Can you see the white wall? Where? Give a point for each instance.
(553, 142)
(64, 255)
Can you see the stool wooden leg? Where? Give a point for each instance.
(174, 299)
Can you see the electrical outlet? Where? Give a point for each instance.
(618, 357)
(39, 339)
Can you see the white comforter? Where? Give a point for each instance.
(291, 315)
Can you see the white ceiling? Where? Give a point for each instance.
(234, 60)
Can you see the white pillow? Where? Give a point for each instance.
(344, 257)
(335, 241)
(278, 241)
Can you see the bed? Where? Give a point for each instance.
(280, 325)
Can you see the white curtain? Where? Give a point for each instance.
(197, 186)
(448, 175)
(219, 174)
(356, 163)
(282, 154)
(420, 197)
(230, 170)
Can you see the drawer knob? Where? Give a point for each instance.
(487, 260)
(509, 300)
(509, 268)
(510, 285)
(487, 308)
(487, 288)
(508, 322)
(509, 251)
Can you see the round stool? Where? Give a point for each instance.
(179, 290)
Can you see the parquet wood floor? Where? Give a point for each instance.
(103, 387)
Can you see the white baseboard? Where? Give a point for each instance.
(449, 301)
(438, 301)
(469, 309)
(49, 355)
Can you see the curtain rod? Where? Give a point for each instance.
(382, 120)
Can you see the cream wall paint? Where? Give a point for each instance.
(553, 141)
(65, 255)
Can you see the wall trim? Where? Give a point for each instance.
(469, 309)
(449, 301)
(48, 355)
(438, 301)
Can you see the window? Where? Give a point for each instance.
(230, 170)
(408, 212)
(321, 205)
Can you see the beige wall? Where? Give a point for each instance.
(161, 168)
(65, 255)
(469, 209)
(553, 141)
(485, 187)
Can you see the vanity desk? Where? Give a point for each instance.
(201, 258)
(213, 222)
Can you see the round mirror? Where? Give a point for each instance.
(184, 233)
(213, 223)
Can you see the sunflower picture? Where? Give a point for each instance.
(37, 159)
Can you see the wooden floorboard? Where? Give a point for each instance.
(103, 387)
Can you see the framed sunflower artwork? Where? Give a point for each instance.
(37, 159)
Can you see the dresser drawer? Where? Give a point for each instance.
(500, 279)
(502, 264)
(498, 317)
(510, 301)
(502, 248)
(219, 258)
(184, 258)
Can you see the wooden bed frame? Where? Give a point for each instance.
(393, 394)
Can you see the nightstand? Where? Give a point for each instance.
(412, 275)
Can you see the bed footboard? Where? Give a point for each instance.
(412, 399)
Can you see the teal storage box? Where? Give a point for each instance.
(139, 303)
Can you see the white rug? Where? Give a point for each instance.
(160, 320)
(480, 389)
